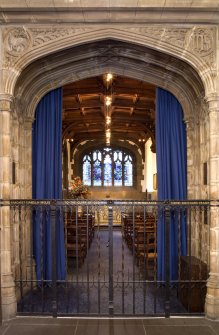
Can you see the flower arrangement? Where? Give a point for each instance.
(77, 188)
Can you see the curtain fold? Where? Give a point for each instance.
(47, 183)
(172, 175)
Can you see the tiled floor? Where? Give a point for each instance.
(68, 326)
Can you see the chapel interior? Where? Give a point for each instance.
(119, 113)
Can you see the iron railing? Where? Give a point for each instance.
(118, 256)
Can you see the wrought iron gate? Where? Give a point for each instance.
(111, 251)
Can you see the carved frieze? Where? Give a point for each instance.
(200, 41)
(41, 36)
(171, 35)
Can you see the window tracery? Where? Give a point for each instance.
(107, 167)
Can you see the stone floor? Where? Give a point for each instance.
(71, 326)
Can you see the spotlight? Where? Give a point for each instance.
(108, 101)
(108, 120)
(109, 76)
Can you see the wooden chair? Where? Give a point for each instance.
(76, 246)
(148, 257)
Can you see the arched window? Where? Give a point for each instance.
(108, 167)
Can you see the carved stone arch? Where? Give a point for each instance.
(195, 45)
(125, 59)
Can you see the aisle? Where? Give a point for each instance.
(96, 269)
(86, 289)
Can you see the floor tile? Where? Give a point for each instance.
(175, 321)
(92, 330)
(40, 329)
(110, 328)
(179, 330)
(215, 326)
(4, 328)
(104, 326)
(44, 321)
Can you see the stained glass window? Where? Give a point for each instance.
(87, 170)
(97, 168)
(128, 171)
(108, 167)
(107, 177)
(117, 168)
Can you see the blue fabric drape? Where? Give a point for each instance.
(47, 182)
(172, 174)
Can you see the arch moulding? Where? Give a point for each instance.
(195, 45)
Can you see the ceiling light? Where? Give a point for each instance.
(108, 101)
(108, 133)
(109, 76)
(107, 141)
(108, 120)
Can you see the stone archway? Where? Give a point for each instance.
(124, 59)
(162, 60)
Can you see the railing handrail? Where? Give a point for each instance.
(110, 202)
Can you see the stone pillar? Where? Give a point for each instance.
(8, 298)
(197, 154)
(27, 182)
(212, 298)
(190, 157)
(28, 157)
(15, 191)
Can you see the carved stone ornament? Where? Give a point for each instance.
(172, 35)
(5, 105)
(200, 41)
(44, 35)
(17, 41)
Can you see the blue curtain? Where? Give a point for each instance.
(172, 175)
(47, 182)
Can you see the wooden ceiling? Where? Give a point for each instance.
(132, 110)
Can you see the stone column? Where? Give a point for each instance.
(28, 157)
(197, 155)
(15, 192)
(212, 298)
(190, 157)
(8, 298)
(27, 182)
